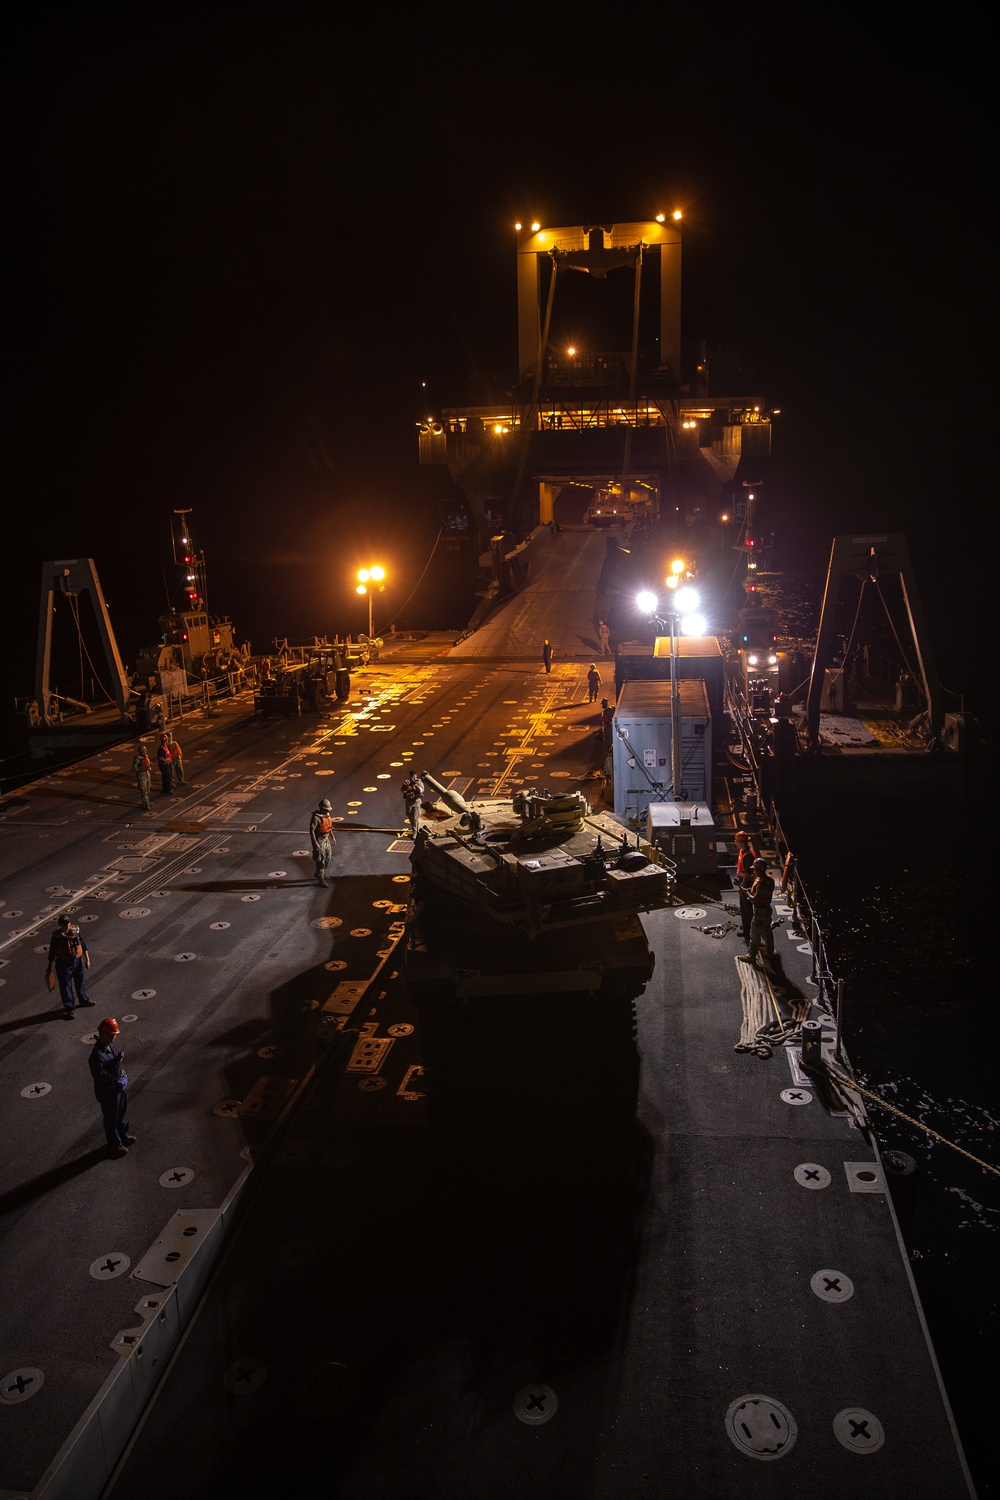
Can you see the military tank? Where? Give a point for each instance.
(525, 954)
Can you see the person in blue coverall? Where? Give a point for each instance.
(111, 1087)
(69, 956)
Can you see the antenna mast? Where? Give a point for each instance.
(193, 562)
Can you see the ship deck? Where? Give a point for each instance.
(345, 1298)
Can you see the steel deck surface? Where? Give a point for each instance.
(394, 1290)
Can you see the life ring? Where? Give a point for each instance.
(788, 871)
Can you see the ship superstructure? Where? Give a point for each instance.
(613, 427)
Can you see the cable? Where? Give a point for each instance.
(906, 664)
(418, 582)
(857, 613)
(847, 1082)
(74, 611)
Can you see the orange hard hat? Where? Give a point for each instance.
(109, 1024)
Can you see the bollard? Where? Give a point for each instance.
(812, 1045)
(902, 1176)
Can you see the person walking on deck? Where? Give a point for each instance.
(761, 935)
(141, 767)
(547, 656)
(604, 635)
(322, 839)
(164, 761)
(69, 956)
(176, 760)
(593, 683)
(110, 1087)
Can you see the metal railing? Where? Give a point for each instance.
(762, 810)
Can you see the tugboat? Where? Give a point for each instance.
(193, 642)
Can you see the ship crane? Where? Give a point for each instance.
(867, 558)
(72, 577)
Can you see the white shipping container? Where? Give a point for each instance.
(641, 756)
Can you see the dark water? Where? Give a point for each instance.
(906, 890)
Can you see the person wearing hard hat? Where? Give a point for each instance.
(413, 796)
(69, 957)
(593, 683)
(761, 935)
(322, 839)
(111, 1086)
(141, 767)
(745, 856)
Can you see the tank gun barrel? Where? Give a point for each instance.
(453, 800)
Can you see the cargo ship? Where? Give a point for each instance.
(494, 1168)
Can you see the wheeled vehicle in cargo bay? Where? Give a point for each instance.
(524, 955)
(311, 676)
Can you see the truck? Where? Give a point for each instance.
(308, 676)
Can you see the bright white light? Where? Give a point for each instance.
(693, 625)
(751, 661)
(772, 661)
(378, 574)
(687, 600)
(361, 589)
(647, 603)
(363, 575)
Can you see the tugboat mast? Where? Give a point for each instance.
(185, 556)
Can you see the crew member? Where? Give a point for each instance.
(322, 839)
(761, 935)
(607, 719)
(547, 656)
(745, 856)
(413, 792)
(141, 767)
(69, 955)
(176, 759)
(164, 761)
(604, 635)
(593, 683)
(110, 1087)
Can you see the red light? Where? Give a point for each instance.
(184, 636)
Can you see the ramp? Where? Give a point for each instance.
(559, 602)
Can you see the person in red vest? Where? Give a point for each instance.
(322, 839)
(165, 762)
(745, 856)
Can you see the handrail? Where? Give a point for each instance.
(822, 974)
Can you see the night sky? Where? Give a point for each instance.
(240, 237)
